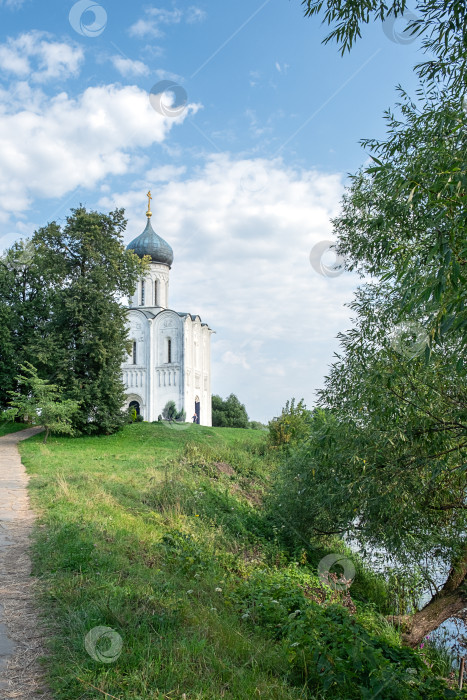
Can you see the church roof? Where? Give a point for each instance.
(150, 243)
(144, 312)
(193, 317)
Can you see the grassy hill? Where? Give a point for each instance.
(160, 534)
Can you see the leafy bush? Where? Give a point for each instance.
(169, 411)
(256, 425)
(229, 413)
(42, 403)
(184, 554)
(329, 649)
(292, 425)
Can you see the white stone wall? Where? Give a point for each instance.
(168, 376)
(156, 288)
(197, 343)
(153, 380)
(136, 376)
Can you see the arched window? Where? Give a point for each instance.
(142, 293)
(134, 352)
(156, 285)
(169, 350)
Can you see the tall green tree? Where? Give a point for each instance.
(229, 413)
(88, 327)
(386, 463)
(26, 293)
(64, 310)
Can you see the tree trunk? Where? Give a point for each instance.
(448, 602)
(46, 435)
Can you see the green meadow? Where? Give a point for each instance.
(164, 536)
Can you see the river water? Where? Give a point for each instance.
(453, 632)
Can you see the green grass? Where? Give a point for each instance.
(7, 427)
(159, 534)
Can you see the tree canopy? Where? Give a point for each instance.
(385, 463)
(61, 308)
(228, 413)
(292, 426)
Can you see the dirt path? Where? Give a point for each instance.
(20, 639)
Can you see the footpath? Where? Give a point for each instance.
(20, 638)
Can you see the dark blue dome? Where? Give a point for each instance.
(149, 243)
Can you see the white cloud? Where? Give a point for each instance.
(195, 14)
(166, 173)
(156, 17)
(282, 68)
(230, 358)
(49, 146)
(254, 77)
(242, 231)
(11, 4)
(35, 56)
(127, 67)
(153, 19)
(164, 16)
(162, 74)
(145, 27)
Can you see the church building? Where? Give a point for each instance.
(170, 358)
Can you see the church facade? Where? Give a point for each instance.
(170, 359)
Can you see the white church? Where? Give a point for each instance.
(171, 351)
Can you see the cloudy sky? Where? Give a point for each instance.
(245, 128)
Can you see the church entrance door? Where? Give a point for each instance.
(197, 409)
(135, 405)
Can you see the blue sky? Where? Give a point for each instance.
(245, 177)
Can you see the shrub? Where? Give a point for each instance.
(169, 411)
(329, 649)
(292, 425)
(256, 425)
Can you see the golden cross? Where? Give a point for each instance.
(149, 213)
